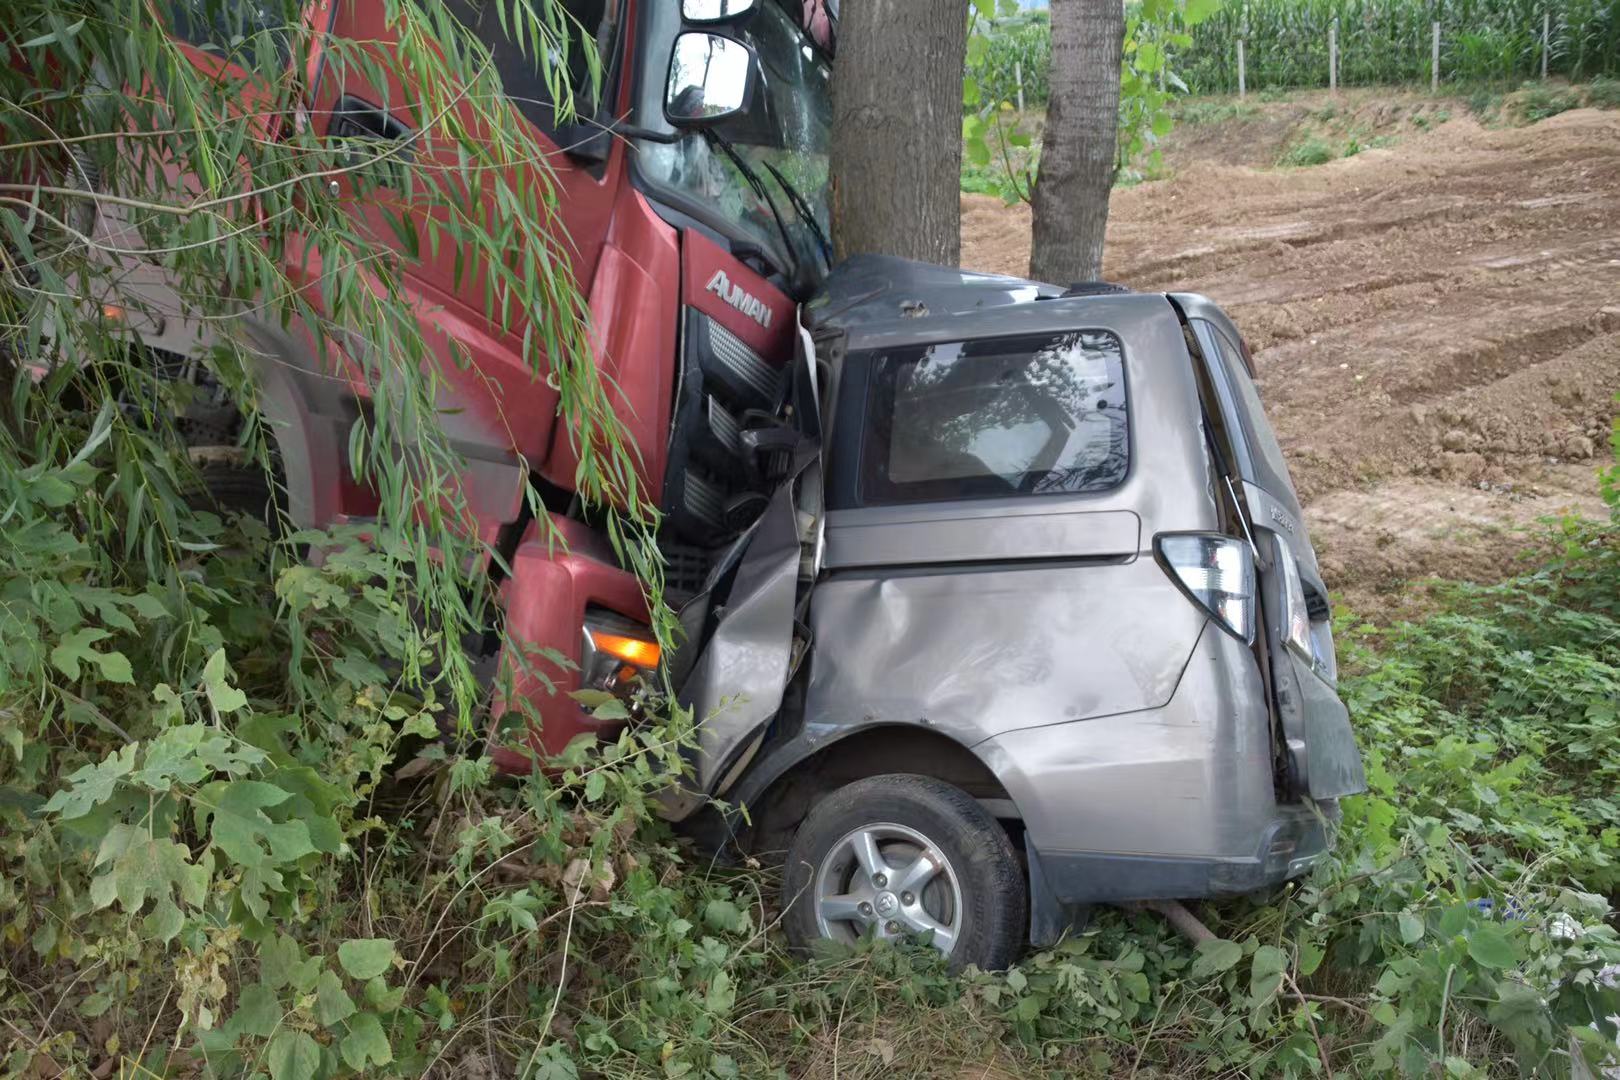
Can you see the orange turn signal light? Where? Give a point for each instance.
(643, 654)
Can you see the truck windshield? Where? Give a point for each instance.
(786, 127)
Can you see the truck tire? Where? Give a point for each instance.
(899, 856)
(228, 487)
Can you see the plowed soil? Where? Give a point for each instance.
(1436, 323)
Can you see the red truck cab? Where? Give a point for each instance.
(691, 254)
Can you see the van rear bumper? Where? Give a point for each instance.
(1063, 883)
(1289, 846)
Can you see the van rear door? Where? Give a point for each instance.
(1321, 756)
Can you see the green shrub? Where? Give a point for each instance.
(1423, 121)
(1603, 93)
(1484, 103)
(1195, 112)
(1540, 102)
(1311, 151)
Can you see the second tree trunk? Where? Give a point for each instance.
(1078, 151)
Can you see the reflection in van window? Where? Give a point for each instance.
(1011, 416)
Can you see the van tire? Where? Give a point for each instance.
(991, 923)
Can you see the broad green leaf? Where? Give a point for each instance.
(366, 1042)
(332, 1002)
(1411, 927)
(1310, 957)
(611, 709)
(52, 489)
(292, 1055)
(366, 958)
(142, 867)
(1196, 11)
(1266, 974)
(258, 1012)
(224, 697)
(1491, 948)
(165, 922)
(242, 829)
(722, 915)
(75, 649)
(383, 998)
(91, 785)
(1519, 1010)
(552, 1062)
(1216, 956)
(279, 959)
(721, 994)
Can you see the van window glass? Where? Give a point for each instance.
(519, 67)
(1263, 445)
(1033, 415)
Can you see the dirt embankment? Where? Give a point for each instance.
(1436, 321)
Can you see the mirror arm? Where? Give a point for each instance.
(631, 131)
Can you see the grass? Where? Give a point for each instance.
(1214, 111)
(1603, 93)
(1537, 103)
(1311, 151)
(1485, 103)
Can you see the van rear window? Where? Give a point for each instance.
(1032, 415)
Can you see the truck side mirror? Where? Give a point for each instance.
(711, 78)
(714, 11)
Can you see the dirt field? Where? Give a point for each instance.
(1436, 322)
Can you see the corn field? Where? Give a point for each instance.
(1388, 41)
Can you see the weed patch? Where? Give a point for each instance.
(1540, 102)
(1603, 93)
(1311, 151)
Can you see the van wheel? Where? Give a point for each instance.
(899, 855)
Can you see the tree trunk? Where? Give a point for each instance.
(1070, 201)
(897, 129)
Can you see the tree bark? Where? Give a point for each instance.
(1070, 200)
(897, 129)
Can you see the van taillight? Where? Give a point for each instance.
(1216, 572)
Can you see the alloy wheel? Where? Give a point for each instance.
(890, 880)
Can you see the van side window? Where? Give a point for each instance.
(1031, 415)
(519, 67)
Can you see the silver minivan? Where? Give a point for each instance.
(1036, 624)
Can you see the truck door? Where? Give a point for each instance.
(500, 407)
(1319, 749)
(211, 43)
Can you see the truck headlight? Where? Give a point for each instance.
(614, 661)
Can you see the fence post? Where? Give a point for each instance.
(1333, 56)
(1546, 40)
(1434, 60)
(1242, 85)
(1018, 77)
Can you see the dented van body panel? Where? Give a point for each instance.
(1020, 610)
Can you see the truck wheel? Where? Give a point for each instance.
(901, 855)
